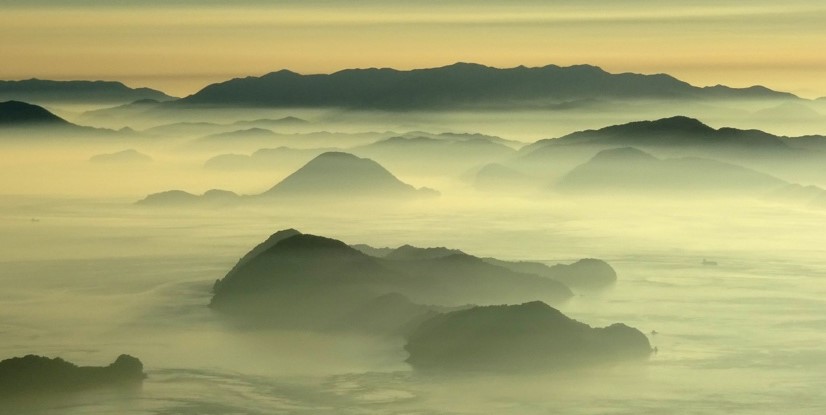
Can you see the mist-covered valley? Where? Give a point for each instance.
(113, 238)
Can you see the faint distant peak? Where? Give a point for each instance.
(623, 154)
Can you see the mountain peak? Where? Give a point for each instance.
(336, 172)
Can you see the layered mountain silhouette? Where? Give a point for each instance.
(456, 86)
(514, 338)
(628, 169)
(46, 91)
(33, 375)
(311, 281)
(790, 158)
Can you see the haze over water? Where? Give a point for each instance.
(124, 211)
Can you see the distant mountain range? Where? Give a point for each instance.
(461, 85)
(456, 86)
(104, 92)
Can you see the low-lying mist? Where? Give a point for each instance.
(725, 285)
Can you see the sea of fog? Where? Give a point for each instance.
(89, 279)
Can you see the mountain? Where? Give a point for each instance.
(345, 175)
(37, 375)
(629, 170)
(514, 338)
(273, 123)
(409, 252)
(675, 132)
(795, 159)
(129, 156)
(462, 85)
(179, 197)
(27, 121)
(310, 281)
(330, 176)
(257, 139)
(22, 114)
(586, 273)
(265, 159)
(45, 91)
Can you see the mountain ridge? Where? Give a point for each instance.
(457, 85)
(52, 91)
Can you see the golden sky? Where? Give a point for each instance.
(180, 46)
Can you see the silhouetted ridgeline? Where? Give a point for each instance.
(45, 91)
(312, 281)
(509, 338)
(458, 85)
(34, 375)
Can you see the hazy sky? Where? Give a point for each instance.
(182, 45)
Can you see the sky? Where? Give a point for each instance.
(179, 46)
